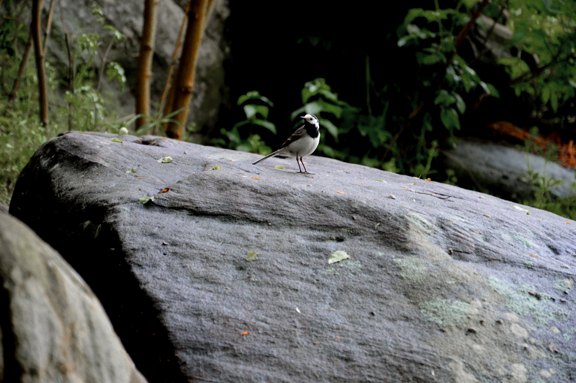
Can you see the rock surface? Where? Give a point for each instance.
(442, 284)
(504, 171)
(52, 327)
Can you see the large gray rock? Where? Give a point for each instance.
(52, 327)
(127, 16)
(442, 284)
(505, 171)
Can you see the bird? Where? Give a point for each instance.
(301, 143)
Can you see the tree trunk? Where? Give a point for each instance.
(144, 72)
(184, 81)
(42, 91)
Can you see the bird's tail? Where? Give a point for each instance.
(268, 156)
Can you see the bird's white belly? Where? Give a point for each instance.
(304, 146)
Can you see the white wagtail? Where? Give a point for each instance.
(302, 142)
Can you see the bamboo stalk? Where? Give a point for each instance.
(144, 72)
(167, 107)
(71, 69)
(183, 84)
(42, 90)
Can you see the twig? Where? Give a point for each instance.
(538, 71)
(437, 195)
(48, 27)
(22, 68)
(103, 66)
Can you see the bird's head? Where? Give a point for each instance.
(311, 120)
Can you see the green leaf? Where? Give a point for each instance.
(133, 170)
(266, 124)
(330, 127)
(460, 104)
(338, 256)
(250, 111)
(493, 90)
(431, 59)
(546, 93)
(145, 200)
(117, 140)
(279, 167)
(554, 101)
(165, 160)
(252, 255)
(444, 98)
(217, 167)
(404, 40)
(450, 118)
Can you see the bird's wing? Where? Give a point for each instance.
(295, 136)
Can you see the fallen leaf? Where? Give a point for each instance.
(117, 140)
(308, 185)
(279, 167)
(567, 223)
(133, 170)
(486, 215)
(165, 190)
(361, 183)
(428, 179)
(532, 255)
(519, 208)
(565, 266)
(217, 167)
(340, 192)
(252, 255)
(298, 310)
(338, 256)
(379, 180)
(145, 200)
(255, 178)
(165, 160)
(245, 333)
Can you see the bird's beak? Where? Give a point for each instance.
(302, 117)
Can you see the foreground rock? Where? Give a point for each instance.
(52, 327)
(442, 284)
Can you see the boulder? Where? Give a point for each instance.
(52, 327)
(505, 171)
(239, 273)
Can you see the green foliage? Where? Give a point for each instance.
(545, 30)
(241, 137)
(542, 184)
(83, 108)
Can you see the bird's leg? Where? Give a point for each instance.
(305, 171)
(299, 168)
